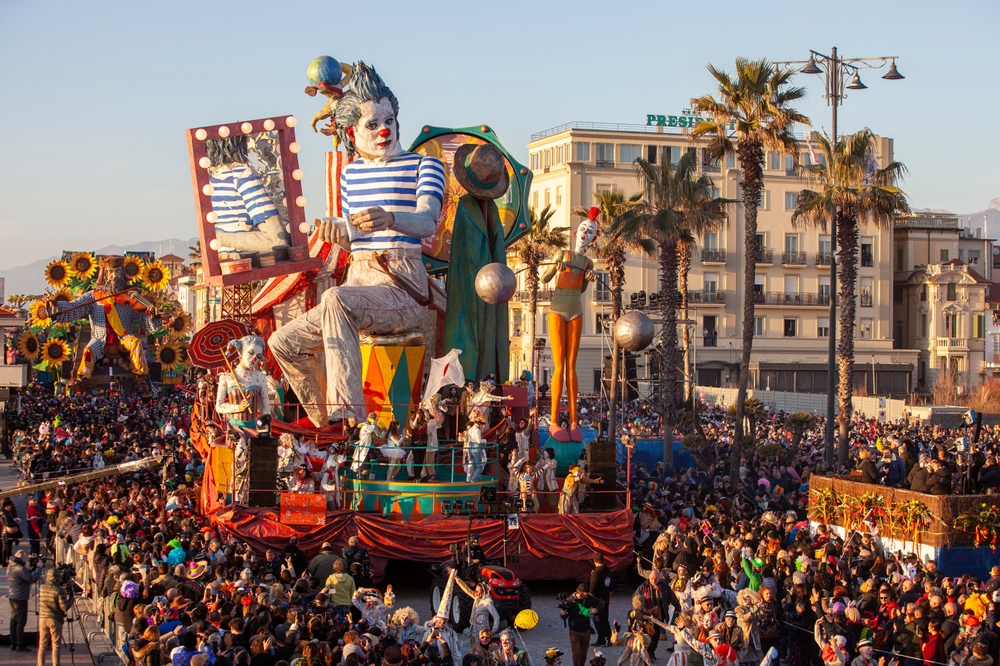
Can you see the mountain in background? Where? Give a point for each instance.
(988, 219)
(30, 279)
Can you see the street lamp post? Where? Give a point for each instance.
(834, 68)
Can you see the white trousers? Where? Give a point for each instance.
(369, 301)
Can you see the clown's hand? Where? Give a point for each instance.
(333, 230)
(373, 219)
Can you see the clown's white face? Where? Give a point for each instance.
(585, 235)
(249, 357)
(375, 135)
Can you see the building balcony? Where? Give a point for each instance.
(824, 258)
(782, 298)
(763, 256)
(713, 256)
(710, 338)
(948, 346)
(604, 164)
(706, 297)
(544, 295)
(793, 258)
(711, 168)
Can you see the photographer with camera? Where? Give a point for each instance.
(577, 610)
(55, 598)
(21, 575)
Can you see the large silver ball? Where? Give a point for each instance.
(496, 283)
(634, 331)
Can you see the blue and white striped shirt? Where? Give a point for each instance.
(393, 186)
(239, 199)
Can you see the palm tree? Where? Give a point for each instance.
(675, 198)
(614, 205)
(851, 186)
(194, 255)
(532, 249)
(752, 115)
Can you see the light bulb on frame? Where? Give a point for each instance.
(293, 147)
(300, 201)
(297, 174)
(290, 121)
(204, 163)
(215, 244)
(246, 128)
(223, 131)
(268, 124)
(208, 190)
(305, 227)
(212, 217)
(201, 135)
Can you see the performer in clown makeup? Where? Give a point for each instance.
(391, 200)
(572, 270)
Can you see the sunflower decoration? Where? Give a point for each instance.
(54, 352)
(168, 355)
(57, 274)
(61, 296)
(39, 315)
(83, 265)
(28, 345)
(155, 276)
(180, 324)
(133, 268)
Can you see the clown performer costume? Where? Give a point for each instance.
(435, 415)
(473, 450)
(373, 608)
(391, 200)
(548, 483)
(572, 271)
(366, 443)
(569, 500)
(116, 318)
(483, 614)
(242, 393)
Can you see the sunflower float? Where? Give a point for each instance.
(54, 352)
(28, 346)
(168, 355)
(133, 268)
(155, 276)
(57, 274)
(83, 265)
(180, 324)
(39, 315)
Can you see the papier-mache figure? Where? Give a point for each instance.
(242, 392)
(117, 317)
(391, 199)
(247, 219)
(572, 270)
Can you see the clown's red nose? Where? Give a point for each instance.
(385, 132)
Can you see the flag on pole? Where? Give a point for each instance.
(812, 153)
(444, 371)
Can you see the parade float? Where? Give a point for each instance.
(319, 413)
(106, 322)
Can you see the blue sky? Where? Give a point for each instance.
(94, 96)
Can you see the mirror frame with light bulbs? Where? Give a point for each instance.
(294, 200)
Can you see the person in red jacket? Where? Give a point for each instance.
(932, 644)
(36, 522)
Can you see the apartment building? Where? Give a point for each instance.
(792, 288)
(941, 292)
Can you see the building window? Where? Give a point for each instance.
(824, 290)
(978, 330)
(711, 282)
(923, 326)
(951, 325)
(897, 293)
(790, 169)
(944, 255)
(764, 201)
(730, 160)
(774, 161)
(534, 199)
(602, 287)
(533, 161)
(823, 327)
(604, 154)
(791, 327)
(516, 318)
(923, 292)
(758, 327)
(952, 291)
(601, 320)
(758, 287)
(973, 257)
(558, 194)
(792, 243)
(867, 292)
(708, 163)
(867, 252)
(674, 152)
(651, 154)
(824, 246)
(791, 200)
(583, 152)
(629, 152)
(899, 258)
(710, 241)
(559, 155)
(865, 329)
(548, 199)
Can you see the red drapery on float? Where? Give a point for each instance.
(551, 546)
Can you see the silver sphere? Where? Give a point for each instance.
(634, 331)
(496, 283)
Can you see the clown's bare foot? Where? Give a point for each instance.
(558, 433)
(575, 434)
